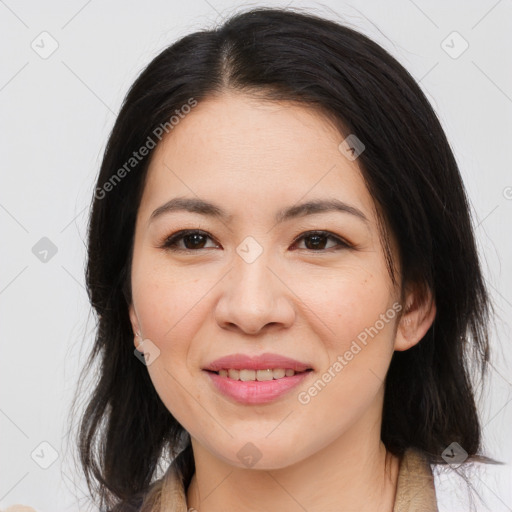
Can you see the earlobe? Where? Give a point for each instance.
(137, 338)
(418, 317)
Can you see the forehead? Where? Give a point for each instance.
(240, 150)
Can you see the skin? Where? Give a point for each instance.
(252, 158)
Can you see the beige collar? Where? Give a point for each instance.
(415, 488)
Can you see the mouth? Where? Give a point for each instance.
(260, 375)
(257, 379)
(258, 363)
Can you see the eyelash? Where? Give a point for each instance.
(170, 242)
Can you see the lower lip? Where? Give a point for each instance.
(256, 392)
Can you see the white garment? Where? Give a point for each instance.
(492, 482)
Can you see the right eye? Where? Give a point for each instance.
(192, 238)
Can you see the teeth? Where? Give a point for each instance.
(264, 374)
(247, 375)
(233, 374)
(259, 375)
(279, 373)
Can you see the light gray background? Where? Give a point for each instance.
(56, 114)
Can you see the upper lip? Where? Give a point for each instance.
(256, 362)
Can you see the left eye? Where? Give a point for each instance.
(194, 239)
(318, 240)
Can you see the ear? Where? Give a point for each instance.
(137, 337)
(416, 320)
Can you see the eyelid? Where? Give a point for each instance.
(342, 242)
(168, 241)
(178, 236)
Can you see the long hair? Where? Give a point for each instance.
(409, 169)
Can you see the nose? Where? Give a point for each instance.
(255, 298)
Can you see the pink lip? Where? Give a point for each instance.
(255, 392)
(258, 362)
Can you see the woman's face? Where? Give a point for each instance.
(255, 280)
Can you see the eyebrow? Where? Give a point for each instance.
(202, 207)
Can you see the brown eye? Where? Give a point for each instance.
(317, 241)
(192, 240)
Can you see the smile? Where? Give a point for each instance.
(257, 375)
(255, 378)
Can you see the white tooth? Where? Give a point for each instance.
(278, 373)
(247, 375)
(234, 374)
(264, 375)
(259, 375)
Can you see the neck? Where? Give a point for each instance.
(354, 472)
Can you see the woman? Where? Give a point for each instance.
(281, 232)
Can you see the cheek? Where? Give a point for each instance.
(356, 317)
(174, 304)
(170, 305)
(166, 297)
(345, 303)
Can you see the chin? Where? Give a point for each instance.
(259, 455)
